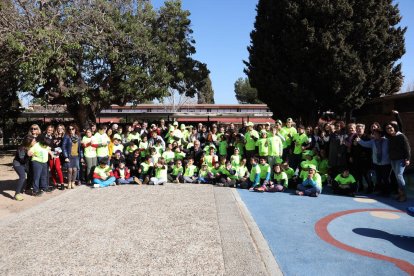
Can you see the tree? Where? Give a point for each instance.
(206, 95)
(245, 94)
(311, 56)
(89, 54)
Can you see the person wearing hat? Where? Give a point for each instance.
(311, 185)
(344, 184)
(103, 175)
(251, 137)
(288, 132)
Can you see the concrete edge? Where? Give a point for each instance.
(263, 248)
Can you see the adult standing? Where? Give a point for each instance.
(72, 152)
(360, 159)
(400, 155)
(21, 163)
(89, 149)
(381, 160)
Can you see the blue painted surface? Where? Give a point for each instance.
(287, 223)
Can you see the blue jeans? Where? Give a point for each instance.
(309, 191)
(202, 180)
(21, 171)
(125, 181)
(398, 167)
(104, 183)
(40, 176)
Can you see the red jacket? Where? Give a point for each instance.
(118, 175)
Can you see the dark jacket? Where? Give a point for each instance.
(399, 147)
(67, 147)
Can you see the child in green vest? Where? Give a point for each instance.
(40, 156)
(344, 184)
(263, 144)
(143, 146)
(242, 173)
(223, 145)
(235, 158)
(292, 180)
(130, 148)
(228, 176)
(145, 170)
(215, 173)
(254, 178)
(203, 174)
(176, 172)
(160, 173)
(190, 173)
(312, 185)
(280, 180)
(103, 175)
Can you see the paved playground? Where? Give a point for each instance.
(335, 235)
(135, 230)
(180, 229)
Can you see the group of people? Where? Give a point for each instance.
(349, 158)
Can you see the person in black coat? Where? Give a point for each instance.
(400, 155)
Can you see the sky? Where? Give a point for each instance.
(222, 33)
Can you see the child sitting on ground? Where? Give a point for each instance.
(228, 176)
(160, 173)
(280, 180)
(190, 173)
(123, 175)
(103, 175)
(242, 173)
(254, 178)
(344, 184)
(312, 185)
(176, 173)
(215, 173)
(203, 174)
(145, 171)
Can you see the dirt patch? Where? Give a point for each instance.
(8, 182)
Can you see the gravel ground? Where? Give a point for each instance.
(131, 230)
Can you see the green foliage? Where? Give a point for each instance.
(245, 94)
(91, 54)
(206, 95)
(312, 56)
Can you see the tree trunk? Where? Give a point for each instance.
(84, 115)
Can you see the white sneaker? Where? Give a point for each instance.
(112, 184)
(96, 185)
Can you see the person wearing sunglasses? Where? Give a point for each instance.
(72, 152)
(34, 130)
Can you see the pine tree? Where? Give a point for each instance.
(311, 56)
(206, 94)
(245, 94)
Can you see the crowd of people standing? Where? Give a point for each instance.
(349, 158)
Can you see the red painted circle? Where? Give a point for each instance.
(321, 228)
